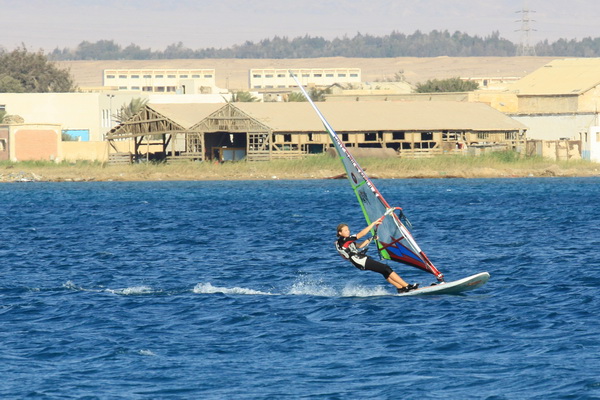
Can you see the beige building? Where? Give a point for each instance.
(558, 101)
(281, 78)
(87, 116)
(181, 81)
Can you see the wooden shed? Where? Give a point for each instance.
(265, 131)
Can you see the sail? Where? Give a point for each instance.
(394, 241)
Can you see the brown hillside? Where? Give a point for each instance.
(233, 73)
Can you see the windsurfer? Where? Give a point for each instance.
(348, 248)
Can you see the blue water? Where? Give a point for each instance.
(233, 290)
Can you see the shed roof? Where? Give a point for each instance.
(186, 114)
(355, 116)
(381, 116)
(569, 76)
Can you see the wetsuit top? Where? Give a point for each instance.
(346, 246)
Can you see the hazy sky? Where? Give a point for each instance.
(155, 24)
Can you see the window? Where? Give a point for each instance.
(329, 75)
(159, 89)
(281, 75)
(122, 76)
(318, 75)
(2, 144)
(159, 76)
(341, 75)
(135, 77)
(183, 76)
(208, 76)
(398, 135)
(195, 76)
(257, 76)
(122, 87)
(171, 89)
(344, 137)
(370, 137)
(110, 77)
(171, 76)
(306, 75)
(353, 75)
(426, 135)
(268, 86)
(269, 76)
(147, 76)
(135, 88)
(146, 88)
(287, 138)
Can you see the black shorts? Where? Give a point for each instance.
(375, 266)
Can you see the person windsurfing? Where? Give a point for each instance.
(347, 247)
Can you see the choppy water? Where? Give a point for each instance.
(233, 290)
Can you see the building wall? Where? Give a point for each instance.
(74, 111)
(188, 81)
(4, 144)
(590, 100)
(547, 104)
(35, 142)
(85, 151)
(594, 143)
(502, 101)
(555, 126)
(272, 78)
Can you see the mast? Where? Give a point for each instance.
(395, 241)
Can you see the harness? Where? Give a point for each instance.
(349, 249)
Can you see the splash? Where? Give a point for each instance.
(361, 291)
(207, 288)
(305, 286)
(134, 290)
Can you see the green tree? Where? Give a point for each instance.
(25, 72)
(295, 97)
(243, 97)
(318, 94)
(129, 110)
(446, 85)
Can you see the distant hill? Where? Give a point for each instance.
(432, 44)
(233, 73)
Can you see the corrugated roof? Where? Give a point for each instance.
(186, 114)
(571, 76)
(381, 116)
(355, 116)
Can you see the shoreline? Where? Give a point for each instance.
(292, 170)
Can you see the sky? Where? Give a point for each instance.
(155, 24)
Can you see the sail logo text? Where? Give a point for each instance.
(363, 197)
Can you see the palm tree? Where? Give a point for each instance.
(243, 97)
(128, 111)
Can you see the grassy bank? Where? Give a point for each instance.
(502, 164)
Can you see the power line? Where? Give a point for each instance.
(525, 48)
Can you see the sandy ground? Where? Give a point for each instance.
(66, 173)
(233, 73)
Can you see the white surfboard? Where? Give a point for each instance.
(454, 287)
